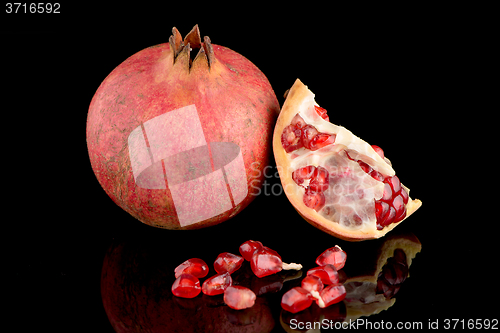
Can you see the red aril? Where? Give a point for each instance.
(217, 284)
(239, 298)
(186, 286)
(248, 248)
(327, 273)
(312, 283)
(227, 262)
(296, 299)
(357, 195)
(333, 256)
(333, 294)
(193, 266)
(266, 262)
(178, 134)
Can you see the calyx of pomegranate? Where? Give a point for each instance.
(182, 48)
(334, 179)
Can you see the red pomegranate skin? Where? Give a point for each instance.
(235, 104)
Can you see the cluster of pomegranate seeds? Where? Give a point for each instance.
(299, 134)
(315, 180)
(393, 274)
(391, 208)
(313, 285)
(263, 260)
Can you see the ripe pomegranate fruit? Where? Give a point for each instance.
(335, 180)
(180, 139)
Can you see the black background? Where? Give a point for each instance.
(388, 77)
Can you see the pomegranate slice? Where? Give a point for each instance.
(194, 266)
(333, 256)
(217, 284)
(296, 300)
(355, 194)
(186, 286)
(227, 262)
(239, 297)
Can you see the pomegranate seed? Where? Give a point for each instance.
(227, 262)
(333, 294)
(308, 134)
(321, 140)
(320, 180)
(297, 121)
(314, 200)
(266, 262)
(216, 284)
(333, 256)
(302, 174)
(291, 139)
(322, 112)
(327, 273)
(194, 266)
(186, 286)
(248, 248)
(296, 300)
(239, 297)
(378, 150)
(312, 282)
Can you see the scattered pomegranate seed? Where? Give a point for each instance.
(227, 262)
(239, 297)
(296, 299)
(216, 284)
(194, 266)
(333, 256)
(265, 262)
(248, 248)
(333, 294)
(327, 273)
(312, 283)
(186, 286)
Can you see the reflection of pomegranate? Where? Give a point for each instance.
(180, 142)
(335, 180)
(136, 283)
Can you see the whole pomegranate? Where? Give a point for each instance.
(181, 141)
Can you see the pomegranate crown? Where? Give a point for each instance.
(192, 41)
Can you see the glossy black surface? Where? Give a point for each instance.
(378, 79)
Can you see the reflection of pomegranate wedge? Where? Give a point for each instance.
(335, 180)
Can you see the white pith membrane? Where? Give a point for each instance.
(351, 194)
